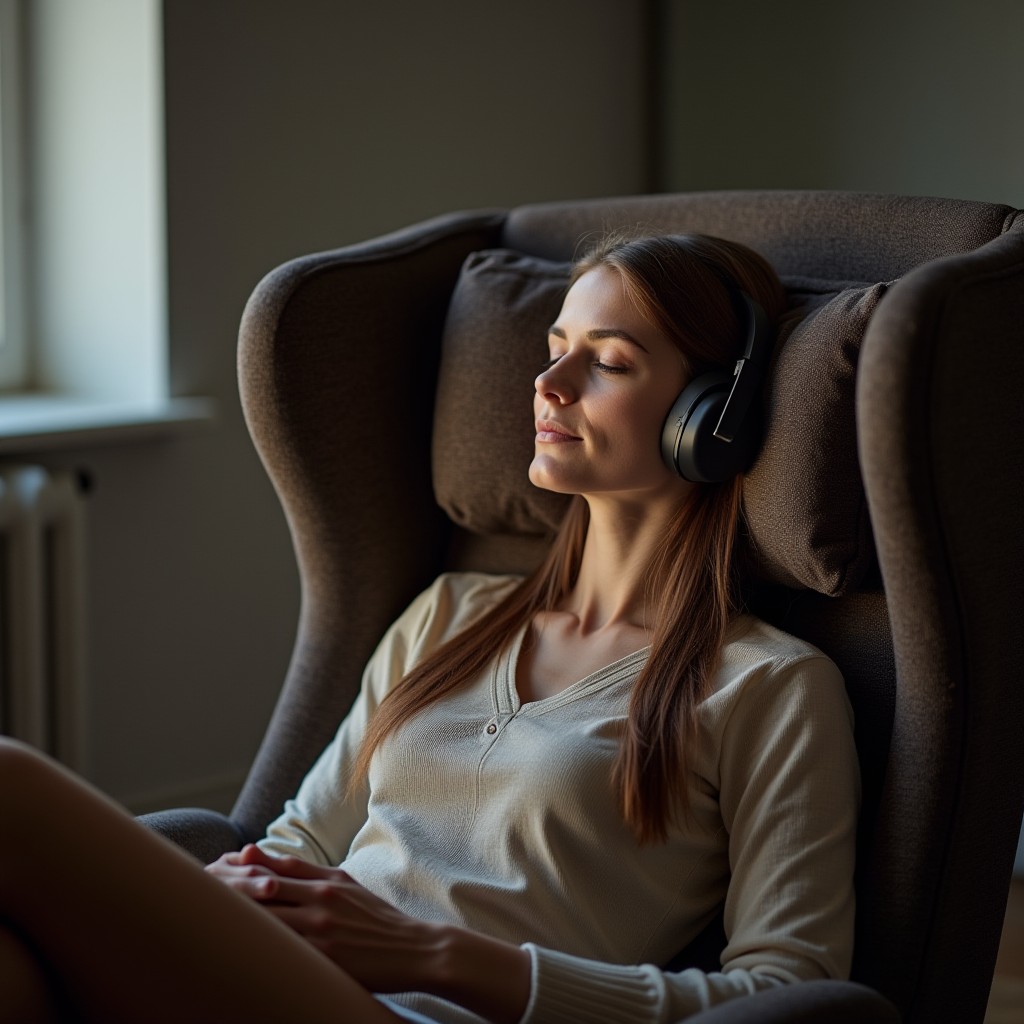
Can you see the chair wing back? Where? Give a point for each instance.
(338, 356)
(352, 382)
(942, 447)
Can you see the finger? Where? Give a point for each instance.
(300, 919)
(314, 924)
(255, 882)
(248, 854)
(261, 889)
(294, 867)
(238, 870)
(337, 894)
(297, 892)
(252, 854)
(224, 860)
(291, 867)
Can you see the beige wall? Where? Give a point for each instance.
(922, 97)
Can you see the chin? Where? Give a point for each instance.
(549, 482)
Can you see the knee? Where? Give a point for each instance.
(15, 755)
(22, 771)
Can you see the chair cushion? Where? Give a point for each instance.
(495, 340)
(806, 511)
(805, 504)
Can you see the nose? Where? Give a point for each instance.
(554, 385)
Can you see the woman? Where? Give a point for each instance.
(543, 783)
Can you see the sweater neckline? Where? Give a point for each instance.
(506, 696)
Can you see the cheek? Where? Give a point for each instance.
(640, 420)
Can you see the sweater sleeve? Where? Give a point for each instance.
(789, 795)
(319, 823)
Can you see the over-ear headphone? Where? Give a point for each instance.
(713, 429)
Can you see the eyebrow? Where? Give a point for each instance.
(599, 334)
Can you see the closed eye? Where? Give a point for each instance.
(598, 365)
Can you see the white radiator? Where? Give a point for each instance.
(42, 610)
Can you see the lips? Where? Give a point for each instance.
(549, 432)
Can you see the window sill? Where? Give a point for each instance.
(47, 422)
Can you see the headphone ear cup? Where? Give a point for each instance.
(688, 443)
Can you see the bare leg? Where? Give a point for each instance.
(135, 929)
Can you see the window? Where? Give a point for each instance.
(83, 301)
(12, 325)
(90, 140)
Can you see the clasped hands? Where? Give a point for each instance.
(379, 946)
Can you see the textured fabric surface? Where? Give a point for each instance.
(495, 339)
(814, 1002)
(806, 510)
(847, 236)
(205, 834)
(942, 448)
(804, 498)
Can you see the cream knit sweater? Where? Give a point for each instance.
(500, 816)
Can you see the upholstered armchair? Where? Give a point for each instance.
(883, 514)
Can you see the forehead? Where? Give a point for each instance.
(599, 293)
(599, 300)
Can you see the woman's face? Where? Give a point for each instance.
(602, 398)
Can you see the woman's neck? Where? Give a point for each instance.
(622, 540)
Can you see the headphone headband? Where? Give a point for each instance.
(752, 319)
(712, 431)
(749, 370)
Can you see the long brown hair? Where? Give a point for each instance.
(676, 282)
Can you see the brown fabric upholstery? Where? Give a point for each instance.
(804, 499)
(842, 236)
(815, 1002)
(932, 661)
(943, 455)
(495, 340)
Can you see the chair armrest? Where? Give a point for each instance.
(204, 834)
(809, 1002)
